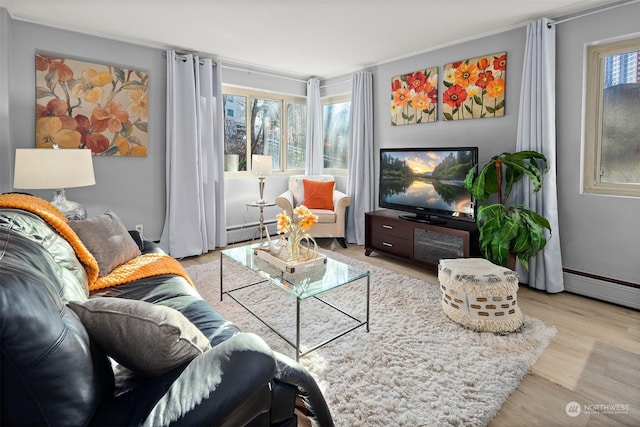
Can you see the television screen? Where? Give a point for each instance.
(428, 182)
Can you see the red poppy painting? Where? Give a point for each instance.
(414, 97)
(474, 88)
(88, 105)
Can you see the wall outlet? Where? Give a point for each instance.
(139, 229)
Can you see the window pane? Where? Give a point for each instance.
(336, 117)
(620, 137)
(235, 127)
(265, 123)
(611, 130)
(296, 136)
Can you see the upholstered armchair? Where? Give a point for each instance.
(318, 193)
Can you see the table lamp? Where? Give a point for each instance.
(261, 166)
(56, 169)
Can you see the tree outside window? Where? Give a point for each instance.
(265, 120)
(255, 124)
(296, 136)
(336, 118)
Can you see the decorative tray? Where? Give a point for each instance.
(291, 267)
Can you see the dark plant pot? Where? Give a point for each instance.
(511, 261)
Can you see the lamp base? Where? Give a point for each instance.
(261, 187)
(71, 210)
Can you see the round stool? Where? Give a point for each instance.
(479, 294)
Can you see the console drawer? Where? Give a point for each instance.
(392, 244)
(397, 228)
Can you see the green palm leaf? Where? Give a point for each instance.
(516, 229)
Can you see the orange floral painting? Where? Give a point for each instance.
(87, 105)
(414, 97)
(474, 88)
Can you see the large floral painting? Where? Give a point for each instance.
(414, 97)
(474, 88)
(88, 105)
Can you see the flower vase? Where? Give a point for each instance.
(293, 246)
(297, 251)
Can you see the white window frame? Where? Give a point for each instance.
(334, 100)
(594, 91)
(284, 100)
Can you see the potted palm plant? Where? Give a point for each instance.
(508, 230)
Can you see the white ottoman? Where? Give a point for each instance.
(479, 294)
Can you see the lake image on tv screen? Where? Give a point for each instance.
(432, 180)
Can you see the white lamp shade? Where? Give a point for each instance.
(260, 165)
(43, 168)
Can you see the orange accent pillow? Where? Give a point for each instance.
(318, 194)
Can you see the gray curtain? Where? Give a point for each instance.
(361, 180)
(537, 131)
(315, 152)
(7, 152)
(195, 201)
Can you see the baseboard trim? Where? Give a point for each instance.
(592, 287)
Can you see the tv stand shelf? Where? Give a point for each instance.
(423, 243)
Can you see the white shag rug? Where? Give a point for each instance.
(414, 368)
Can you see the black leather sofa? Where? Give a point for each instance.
(54, 373)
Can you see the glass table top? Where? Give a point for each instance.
(302, 285)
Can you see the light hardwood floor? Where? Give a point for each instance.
(594, 360)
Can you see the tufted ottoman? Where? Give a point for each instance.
(479, 294)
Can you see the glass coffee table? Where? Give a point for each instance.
(301, 286)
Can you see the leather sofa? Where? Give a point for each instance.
(54, 372)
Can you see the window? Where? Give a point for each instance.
(296, 135)
(254, 123)
(612, 129)
(336, 119)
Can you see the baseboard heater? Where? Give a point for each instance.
(246, 232)
(607, 289)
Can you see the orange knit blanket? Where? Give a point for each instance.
(146, 265)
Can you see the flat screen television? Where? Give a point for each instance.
(428, 182)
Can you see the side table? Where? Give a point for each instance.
(261, 206)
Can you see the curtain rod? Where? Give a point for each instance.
(229, 67)
(335, 83)
(183, 57)
(263, 73)
(602, 9)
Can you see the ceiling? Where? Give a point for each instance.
(302, 38)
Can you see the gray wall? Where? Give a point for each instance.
(133, 187)
(490, 135)
(600, 235)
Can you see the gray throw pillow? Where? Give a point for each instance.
(147, 338)
(108, 240)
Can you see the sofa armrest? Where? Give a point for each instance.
(340, 201)
(285, 201)
(291, 372)
(150, 247)
(226, 386)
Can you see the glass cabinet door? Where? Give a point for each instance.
(432, 246)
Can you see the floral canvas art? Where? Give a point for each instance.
(87, 105)
(414, 97)
(474, 88)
